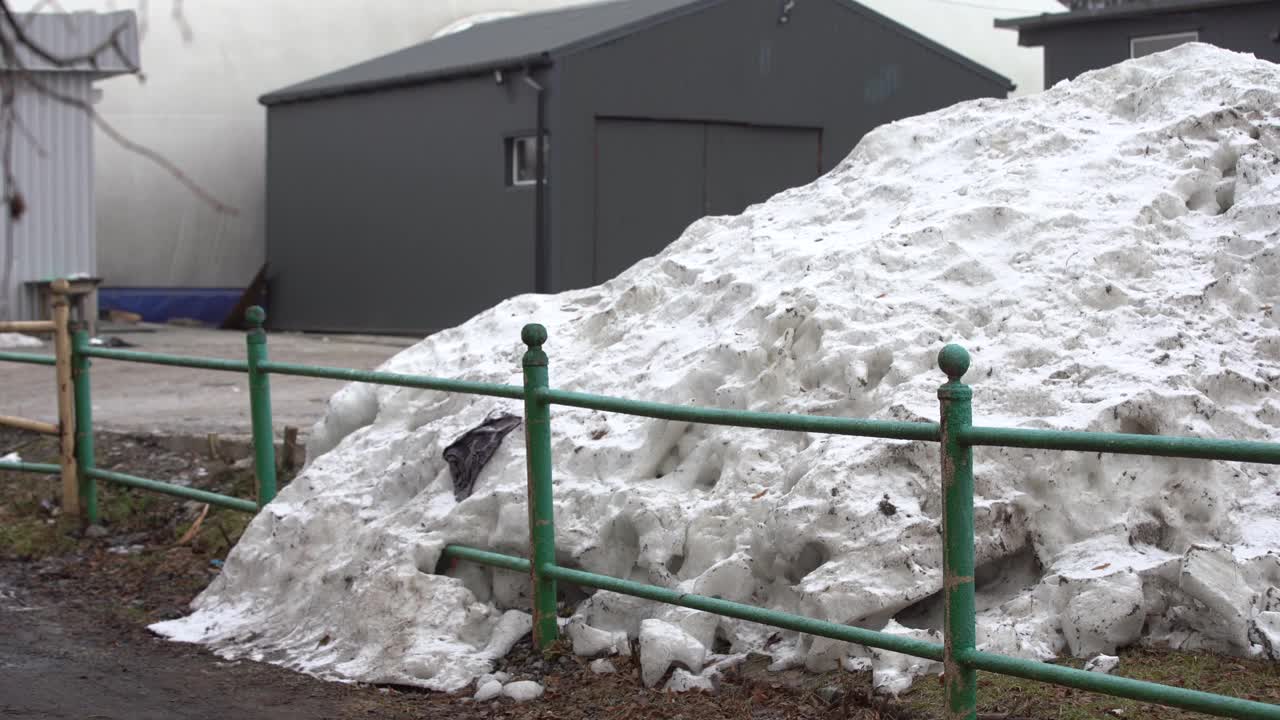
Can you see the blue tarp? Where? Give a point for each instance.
(158, 305)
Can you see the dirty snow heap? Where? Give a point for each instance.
(1109, 252)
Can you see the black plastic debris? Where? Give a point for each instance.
(468, 455)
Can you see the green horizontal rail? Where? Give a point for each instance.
(1194, 700)
(20, 466)
(185, 493)
(773, 618)
(895, 430)
(172, 360)
(422, 382)
(958, 436)
(484, 557)
(861, 636)
(1126, 444)
(28, 358)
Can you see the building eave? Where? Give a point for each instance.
(1143, 9)
(284, 97)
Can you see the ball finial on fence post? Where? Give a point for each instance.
(534, 335)
(954, 361)
(256, 317)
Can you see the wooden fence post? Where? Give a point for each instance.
(66, 404)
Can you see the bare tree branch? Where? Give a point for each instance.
(112, 42)
(180, 19)
(133, 147)
(15, 73)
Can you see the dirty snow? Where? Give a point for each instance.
(1105, 664)
(10, 341)
(602, 666)
(1108, 250)
(662, 645)
(487, 690)
(522, 690)
(684, 681)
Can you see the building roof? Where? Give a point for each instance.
(112, 37)
(1136, 8)
(531, 40)
(524, 39)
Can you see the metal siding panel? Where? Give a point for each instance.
(748, 165)
(73, 34)
(55, 175)
(389, 211)
(650, 178)
(734, 63)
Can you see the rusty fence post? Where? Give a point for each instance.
(960, 627)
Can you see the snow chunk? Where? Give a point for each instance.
(892, 672)
(488, 690)
(522, 690)
(602, 666)
(10, 341)
(683, 681)
(510, 628)
(1105, 664)
(1264, 631)
(1104, 614)
(662, 644)
(1212, 576)
(590, 642)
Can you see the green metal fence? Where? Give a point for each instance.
(956, 434)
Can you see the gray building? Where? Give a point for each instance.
(52, 149)
(403, 193)
(1095, 37)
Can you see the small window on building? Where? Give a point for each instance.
(523, 152)
(1150, 44)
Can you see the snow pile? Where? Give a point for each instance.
(9, 341)
(1109, 251)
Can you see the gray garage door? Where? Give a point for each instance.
(654, 178)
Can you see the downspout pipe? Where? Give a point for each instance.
(542, 247)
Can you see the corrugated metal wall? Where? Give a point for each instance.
(53, 165)
(69, 35)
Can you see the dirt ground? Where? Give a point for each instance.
(74, 606)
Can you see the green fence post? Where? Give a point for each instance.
(264, 447)
(542, 529)
(956, 401)
(84, 425)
